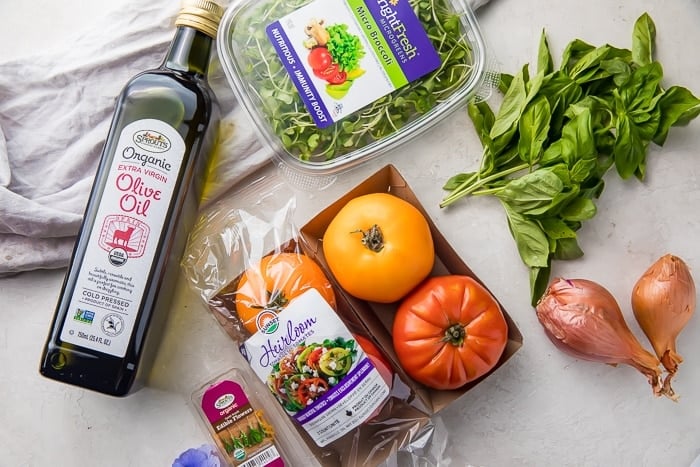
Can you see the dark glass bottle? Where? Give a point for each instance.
(124, 265)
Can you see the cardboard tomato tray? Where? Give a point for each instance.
(215, 264)
(378, 318)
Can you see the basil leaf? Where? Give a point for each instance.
(532, 191)
(643, 36)
(504, 82)
(533, 128)
(578, 210)
(552, 154)
(577, 141)
(630, 148)
(531, 241)
(582, 170)
(556, 228)
(590, 62)
(561, 91)
(567, 249)
(539, 280)
(618, 68)
(482, 117)
(505, 158)
(573, 53)
(639, 91)
(544, 57)
(677, 106)
(562, 200)
(511, 107)
(456, 180)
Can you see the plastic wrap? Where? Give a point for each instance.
(249, 264)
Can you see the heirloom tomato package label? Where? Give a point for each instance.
(345, 54)
(315, 368)
(124, 240)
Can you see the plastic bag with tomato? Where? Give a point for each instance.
(247, 261)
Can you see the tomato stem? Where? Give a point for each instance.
(276, 301)
(455, 335)
(372, 238)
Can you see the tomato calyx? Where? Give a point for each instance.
(276, 301)
(455, 335)
(372, 238)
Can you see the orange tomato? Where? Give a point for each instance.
(267, 288)
(449, 332)
(379, 247)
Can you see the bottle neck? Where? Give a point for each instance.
(189, 51)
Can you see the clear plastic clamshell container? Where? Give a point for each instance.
(331, 83)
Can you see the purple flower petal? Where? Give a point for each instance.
(203, 456)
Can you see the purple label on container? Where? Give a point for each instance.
(345, 386)
(404, 33)
(298, 74)
(223, 399)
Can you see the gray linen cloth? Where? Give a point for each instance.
(55, 110)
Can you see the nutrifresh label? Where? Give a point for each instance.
(246, 437)
(124, 237)
(315, 368)
(344, 54)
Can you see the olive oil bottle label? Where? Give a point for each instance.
(345, 54)
(124, 238)
(316, 369)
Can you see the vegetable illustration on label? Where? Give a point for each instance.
(327, 41)
(334, 56)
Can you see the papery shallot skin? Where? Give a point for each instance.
(584, 320)
(663, 301)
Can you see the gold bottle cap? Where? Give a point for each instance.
(203, 15)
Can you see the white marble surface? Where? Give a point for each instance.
(542, 409)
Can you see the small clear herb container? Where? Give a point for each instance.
(331, 83)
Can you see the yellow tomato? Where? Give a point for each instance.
(379, 247)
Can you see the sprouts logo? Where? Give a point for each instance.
(267, 321)
(150, 140)
(224, 401)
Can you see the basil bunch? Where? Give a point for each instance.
(558, 132)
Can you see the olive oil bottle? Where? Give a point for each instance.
(144, 199)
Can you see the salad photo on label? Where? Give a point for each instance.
(308, 371)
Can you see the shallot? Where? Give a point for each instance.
(583, 319)
(663, 301)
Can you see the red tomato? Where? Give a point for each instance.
(328, 72)
(338, 78)
(377, 358)
(380, 362)
(448, 332)
(319, 58)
